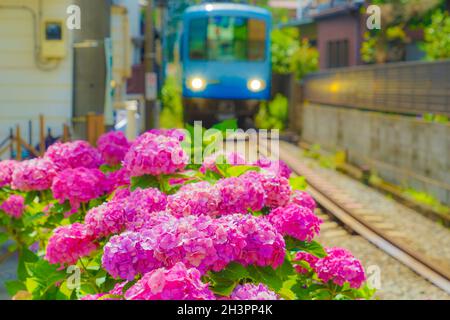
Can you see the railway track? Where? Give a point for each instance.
(364, 222)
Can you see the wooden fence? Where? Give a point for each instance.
(406, 88)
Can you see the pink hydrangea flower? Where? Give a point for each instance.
(279, 167)
(129, 254)
(14, 206)
(303, 199)
(251, 291)
(172, 133)
(35, 174)
(118, 178)
(69, 243)
(113, 146)
(115, 294)
(155, 155)
(307, 257)
(74, 154)
(121, 193)
(264, 245)
(141, 204)
(240, 194)
(176, 283)
(209, 162)
(199, 198)
(340, 266)
(106, 219)
(78, 186)
(295, 221)
(6, 170)
(276, 188)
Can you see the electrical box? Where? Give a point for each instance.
(53, 45)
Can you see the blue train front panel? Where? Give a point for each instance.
(226, 52)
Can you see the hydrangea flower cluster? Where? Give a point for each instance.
(200, 242)
(140, 205)
(78, 185)
(199, 198)
(295, 221)
(251, 291)
(176, 283)
(74, 154)
(239, 194)
(113, 146)
(36, 174)
(210, 162)
(115, 294)
(172, 133)
(303, 199)
(14, 206)
(276, 167)
(117, 179)
(129, 254)
(69, 243)
(277, 190)
(106, 219)
(340, 266)
(306, 257)
(155, 155)
(6, 170)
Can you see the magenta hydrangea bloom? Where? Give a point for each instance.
(251, 291)
(240, 194)
(14, 206)
(113, 146)
(115, 294)
(277, 190)
(36, 174)
(140, 205)
(295, 221)
(176, 283)
(69, 243)
(306, 257)
(340, 266)
(155, 155)
(121, 193)
(74, 154)
(189, 240)
(172, 133)
(264, 245)
(117, 179)
(6, 170)
(78, 185)
(106, 219)
(277, 167)
(303, 199)
(199, 198)
(129, 254)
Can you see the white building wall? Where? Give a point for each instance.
(25, 90)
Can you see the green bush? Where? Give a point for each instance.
(273, 115)
(437, 37)
(172, 111)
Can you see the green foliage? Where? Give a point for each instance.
(298, 183)
(389, 43)
(290, 54)
(437, 37)
(172, 111)
(273, 115)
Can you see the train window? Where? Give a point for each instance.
(227, 38)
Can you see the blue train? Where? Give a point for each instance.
(225, 53)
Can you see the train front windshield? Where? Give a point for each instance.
(227, 38)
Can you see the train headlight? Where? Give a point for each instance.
(197, 84)
(256, 85)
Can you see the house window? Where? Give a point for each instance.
(337, 53)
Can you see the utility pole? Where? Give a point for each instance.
(149, 62)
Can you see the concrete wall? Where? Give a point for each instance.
(25, 90)
(403, 150)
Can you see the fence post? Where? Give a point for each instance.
(90, 127)
(18, 144)
(41, 134)
(131, 121)
(66, 133)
